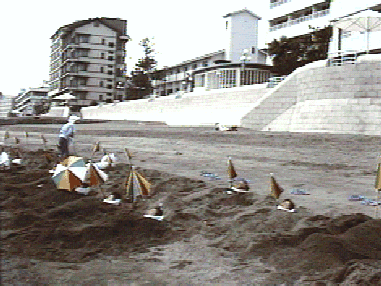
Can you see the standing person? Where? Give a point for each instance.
(66, 135)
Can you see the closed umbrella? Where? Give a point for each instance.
(275, 189)
(231, 171)
(137, 185)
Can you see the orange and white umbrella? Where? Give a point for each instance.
(94, 176)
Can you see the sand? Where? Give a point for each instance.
(208, 237)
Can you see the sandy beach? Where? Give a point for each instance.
(208, 237)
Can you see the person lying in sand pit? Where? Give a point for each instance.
(287, 205)
(157, 211)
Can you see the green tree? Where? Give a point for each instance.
(289, 54)
(140, 81)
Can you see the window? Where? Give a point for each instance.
(102, 55)
(109, 86)
(102, 70)
(253, 50)
(103, 42)
(111, 45)
(101, 84)
(101, 97)
(205, 63)
(110, 58)
(109, 72)
(194, 66)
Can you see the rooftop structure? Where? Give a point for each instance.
(88, 60)
(239, 63)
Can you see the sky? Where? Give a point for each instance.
(180, 30)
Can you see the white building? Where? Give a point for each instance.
(6, 104)
(292, 18)
(27, 102)
(88, 60)
(241, 62)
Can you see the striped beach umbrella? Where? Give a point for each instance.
(68, 178)
(94, 176)
(137, 185)
(73, 161)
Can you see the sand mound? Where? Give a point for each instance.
(43, 223)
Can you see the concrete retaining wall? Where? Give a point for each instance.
(57, 111)
(317, 98)
(314, 98)
(225, 106)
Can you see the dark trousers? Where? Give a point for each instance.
(63, 146)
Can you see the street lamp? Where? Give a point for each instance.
(245, 57)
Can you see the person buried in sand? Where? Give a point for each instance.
(66, 135)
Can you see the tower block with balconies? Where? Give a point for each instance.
(87, 61)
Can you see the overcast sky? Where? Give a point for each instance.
(181, 30)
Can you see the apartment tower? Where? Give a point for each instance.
(87, 60)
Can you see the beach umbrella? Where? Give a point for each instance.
(96, 148)
(128, 155)
(366, 21)
(94, 176)
(231, 171)
(137, 185)
(44, 141)
(74, 161)
(68, 178)
(275, 189)
(26, 136)
(6, 135)
(378, 178)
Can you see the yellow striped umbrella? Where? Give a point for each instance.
(137, 185)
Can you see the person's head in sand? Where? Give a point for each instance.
(288, 204)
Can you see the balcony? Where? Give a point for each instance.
(314, 15)
(124, 38)
(278, 3)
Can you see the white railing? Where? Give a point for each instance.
(343, 57)
(278, 3)
(296, 21)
